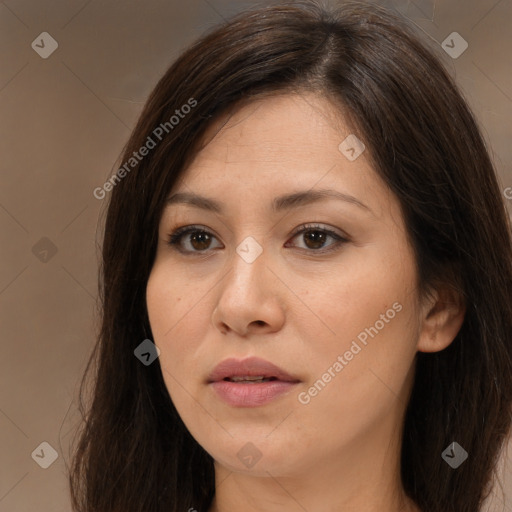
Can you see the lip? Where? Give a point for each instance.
(250, 367)
(250, 394)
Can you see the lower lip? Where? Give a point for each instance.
(239, 394)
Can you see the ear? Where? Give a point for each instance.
(442, 317)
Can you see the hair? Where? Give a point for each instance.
(133, 452)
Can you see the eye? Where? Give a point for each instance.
(315, 237)
(197, 239)
(192, 239)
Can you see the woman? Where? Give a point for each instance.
(307, 282)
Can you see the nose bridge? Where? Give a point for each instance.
(248, 265)
(247, 300)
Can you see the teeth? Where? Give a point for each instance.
(259, 378)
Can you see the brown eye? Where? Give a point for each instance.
(315, 237)
(192, 239)
(200, 240)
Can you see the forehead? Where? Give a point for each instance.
(286, 136)
(276, 146)
(278, 128)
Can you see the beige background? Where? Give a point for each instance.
(64, 120)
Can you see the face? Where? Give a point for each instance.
(299, 257)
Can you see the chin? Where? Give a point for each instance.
(259, 456)
(264, 467)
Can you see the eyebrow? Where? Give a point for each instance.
(279, 204)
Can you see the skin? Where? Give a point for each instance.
(296, 307)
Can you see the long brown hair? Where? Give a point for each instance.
(134, 453)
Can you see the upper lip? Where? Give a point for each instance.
(250, 367)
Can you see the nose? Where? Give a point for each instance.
(249, 301)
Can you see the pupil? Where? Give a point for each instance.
(316, 237)
(200, 241)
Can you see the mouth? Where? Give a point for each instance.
(250, 370)
(251, 382)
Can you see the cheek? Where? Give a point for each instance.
(160, 303)
(178, 322)
(170, 301)
(357, 387)
(165, 307)
(352, 300)
(369, 319)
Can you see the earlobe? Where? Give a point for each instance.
(442, 318)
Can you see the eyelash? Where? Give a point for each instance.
(175, 238)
